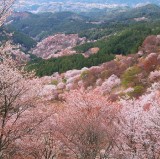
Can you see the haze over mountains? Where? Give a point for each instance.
(77, 5)
(128, 2)
(41, 25)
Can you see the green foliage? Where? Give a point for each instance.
(54, 82)
(118, 20)
(129, 78)
(105, 74)
(124, 42)
(138, 90)
(84, 47)
(119, 35)
(125, 13)
(17, 37)
(103, 30)
(45, 24)
(84, 74)
(64, 80)
(20, 38)
(63, 64)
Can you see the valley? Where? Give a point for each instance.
(73, 36)
(80, 79)
(92, 47)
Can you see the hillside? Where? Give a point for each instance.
(42, 25)
(94, 94)
(150, 11)
(100, 22)
(19, 38)
(57, 46)
(128, 75)
(124, 42)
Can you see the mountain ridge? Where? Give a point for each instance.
(128, 2)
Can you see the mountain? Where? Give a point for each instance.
(77, 6)
(42, 25)
(121, 33)
(59, 6)
(26, 42)
(128, 2)
(150, 11)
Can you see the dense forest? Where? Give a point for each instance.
(124, 42)
(26, 42)
(42, 25)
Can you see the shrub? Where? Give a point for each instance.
(130, 78)
(54, 82)
(84, 74)
(138, 90)
(64, 80)
(105, 74)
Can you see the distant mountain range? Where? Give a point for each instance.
(77, 5)
(39, 26)
(128, 2)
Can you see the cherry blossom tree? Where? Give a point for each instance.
(5, 10)
(154, 75)
(40, 141)
(138, 127)
(16, 97)
(86, 125)
(27, 121)
(21, 107)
